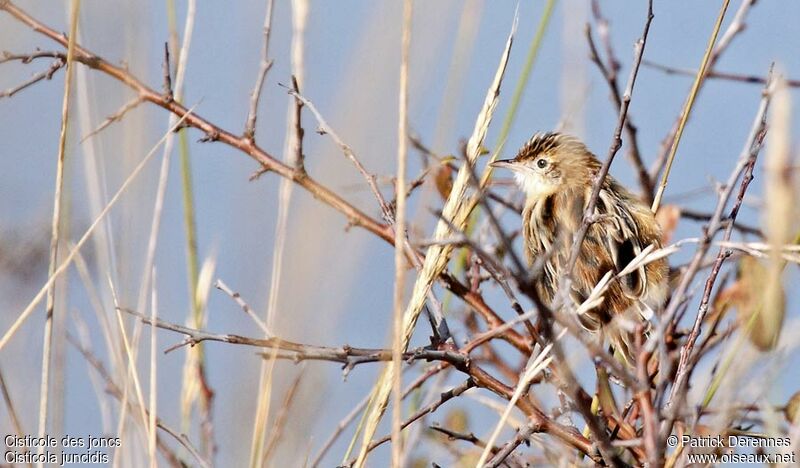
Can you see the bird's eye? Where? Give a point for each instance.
(541, 163)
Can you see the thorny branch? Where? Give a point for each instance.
(351, 357)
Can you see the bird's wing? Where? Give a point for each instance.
(622, 241)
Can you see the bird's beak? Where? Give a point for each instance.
(505, 163)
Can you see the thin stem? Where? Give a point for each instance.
(400, 240)
(688, 107)
(55, 237)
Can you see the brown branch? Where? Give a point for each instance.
(212, 132)
(353, 356)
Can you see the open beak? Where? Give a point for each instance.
(504, 163)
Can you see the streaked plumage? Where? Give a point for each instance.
(556, 173)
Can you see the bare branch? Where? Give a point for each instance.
(219, 284)
(324, 129)
(713, 74)
(114, 390)
(522, 436)
(443, 398)
(745, 165)
(115, 117)
(168, 95)
(263, 69)
(609, 71)
(612, 151)
(44, 75)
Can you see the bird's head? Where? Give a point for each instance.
(550, 163)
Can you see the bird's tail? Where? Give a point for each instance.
(623, 332)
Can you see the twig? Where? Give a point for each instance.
(264, 67)
(615, 146)
(44, 75)
(115, 117)
(114, 390)
(522, 436)
(712, 54)
(299, 157)
(361, 405)
(346, 355)
(280, 419)
(219, 284)
(7, 56)
(429, 409)
(699, 216)
(609, 72)
(745, 165)
(183, 439)
(168, 95)
(713, 74)
(323, 129)
(466, 437)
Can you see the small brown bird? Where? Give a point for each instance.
(556, 172)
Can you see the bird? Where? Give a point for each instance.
(557, 172)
